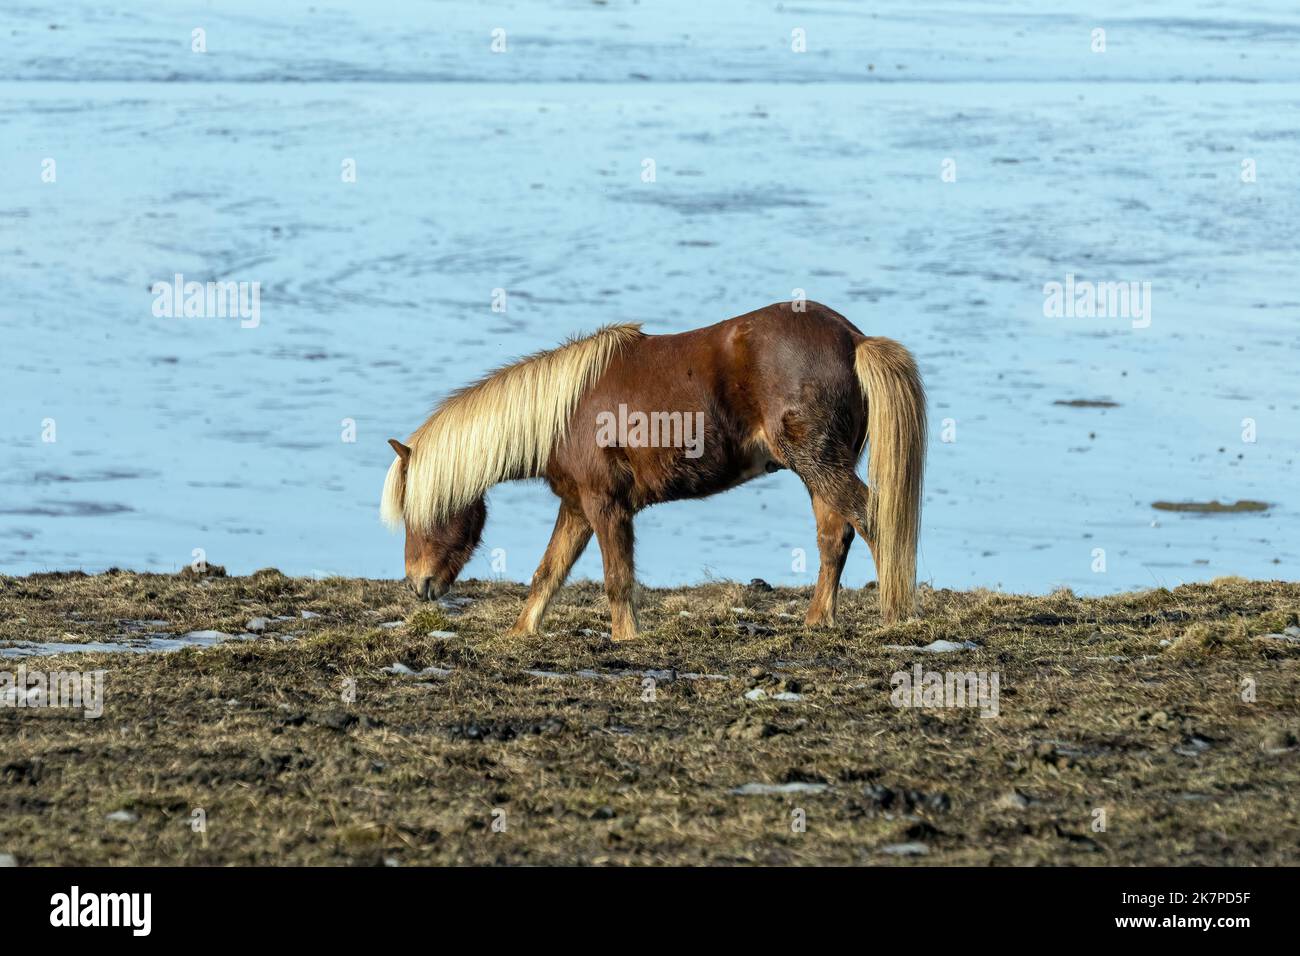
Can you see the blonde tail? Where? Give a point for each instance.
(896, 433)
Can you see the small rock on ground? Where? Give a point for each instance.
(763, 789)
(206, 636)
(939, 647)
(759, 694)
(1012, 800)
(1287, 638)
(905, 849)
(404, 670)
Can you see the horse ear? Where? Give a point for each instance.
(403, 452)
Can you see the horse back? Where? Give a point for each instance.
(694, 413)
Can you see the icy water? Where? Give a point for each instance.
(924, 170)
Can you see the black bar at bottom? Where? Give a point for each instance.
(240, 906)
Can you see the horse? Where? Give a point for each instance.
(790, 386)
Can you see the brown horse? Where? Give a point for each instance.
(621, 420)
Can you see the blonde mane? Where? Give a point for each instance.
(500, 428)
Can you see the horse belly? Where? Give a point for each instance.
(751, 462)
(722, 465)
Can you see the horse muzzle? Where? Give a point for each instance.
(427, 588)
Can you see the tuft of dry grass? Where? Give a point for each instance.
(1167, 714)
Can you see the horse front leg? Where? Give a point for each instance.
(612, 522)
(568, 540)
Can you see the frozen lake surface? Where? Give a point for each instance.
(925, 170)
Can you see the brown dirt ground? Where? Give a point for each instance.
(1096, 713)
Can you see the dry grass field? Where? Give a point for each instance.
(1149, 728)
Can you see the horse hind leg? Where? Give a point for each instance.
(834, 537)
(828, 468)
(568, 540)
(848, 494)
